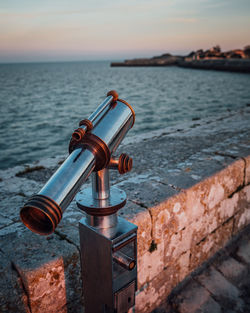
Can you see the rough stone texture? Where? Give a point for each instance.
(242, 218)
(196, 299)
(222, 284)
(11, 288)
(209, 245)
(227, 208)
(233, 270)
(188, 193)
(221, 288)
(150, 265)
(153, 293)
(247, 173)
(50, 276)
(11, 206)
(244, 251)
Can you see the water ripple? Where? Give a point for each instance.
(41, 104)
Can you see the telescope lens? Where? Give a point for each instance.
(41, 215)
(37, 221)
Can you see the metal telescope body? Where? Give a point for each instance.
(109, 281)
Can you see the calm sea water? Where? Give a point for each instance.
(41, 104)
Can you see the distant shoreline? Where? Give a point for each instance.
(213, 59)
(231, 65)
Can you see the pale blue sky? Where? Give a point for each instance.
(115, 29)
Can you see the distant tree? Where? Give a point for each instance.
(191, 54)
(247, 51)
(217, 48)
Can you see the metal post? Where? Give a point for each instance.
(108, 250)
(100, 184)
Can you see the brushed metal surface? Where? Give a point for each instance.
(104, 279)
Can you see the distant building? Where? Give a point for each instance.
(215, 53)
(236, 54)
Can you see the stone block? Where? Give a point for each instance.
(195, 169)
(202, 251)
(4, 221)
(223, 184)
(242, 217)
(178, 244)
(196, 205)
(227, 208)
(245, 195)
(14, 228)
(203, 226)
(12, 295)
(20, 185)
(210, 244)
(247, 170)
(243, 251)
(191, 234)
(195, 298)
(49, 268)
(159, 211)
(152, 293)
(150, 265)
(178, 269)
(149, 193)
(223, 234)
(222, 290)
(181, 267)
(233, 270)
(11, 204)
(150, 297)
(168, 217)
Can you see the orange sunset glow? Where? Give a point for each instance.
(77, 30)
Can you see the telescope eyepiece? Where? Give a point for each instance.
(41, 215)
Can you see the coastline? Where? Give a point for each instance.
(231, 65)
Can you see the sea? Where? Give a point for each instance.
(42, 103)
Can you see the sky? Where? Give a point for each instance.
(60, 30)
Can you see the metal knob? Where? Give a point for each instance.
(125, 261)
(123, 164)
(78, 134)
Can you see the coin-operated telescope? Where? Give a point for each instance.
(108, 243)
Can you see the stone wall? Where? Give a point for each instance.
(189, 193)
(188, 228)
